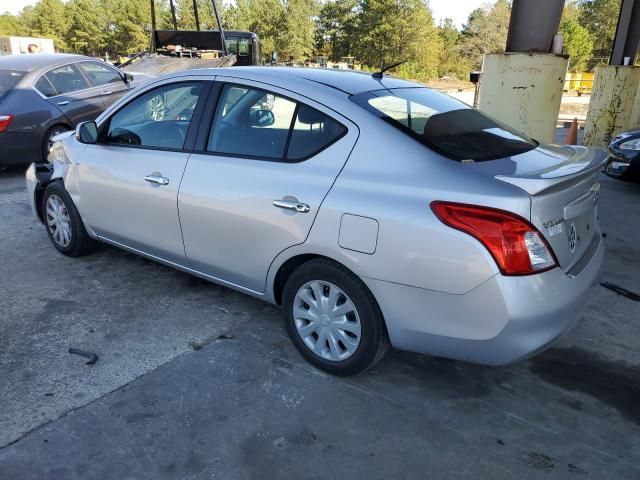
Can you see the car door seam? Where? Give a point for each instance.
(355, 143)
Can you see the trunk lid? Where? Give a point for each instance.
(562, 182)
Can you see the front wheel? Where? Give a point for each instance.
(333, 319)
(64, 225)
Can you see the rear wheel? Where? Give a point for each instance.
(64, 225)
(333, 319)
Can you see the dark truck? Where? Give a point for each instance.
(175, 50)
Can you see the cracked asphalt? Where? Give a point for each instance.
(197, 381)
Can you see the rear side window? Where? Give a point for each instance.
(66, 79)
(312, 132)
(444, 124)
(254, 123)
(43, 85)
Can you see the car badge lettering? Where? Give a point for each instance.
(554, 227)
(573, 237)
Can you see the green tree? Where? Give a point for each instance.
(485, 32)
(129, 28)
(297, 43)
(336, 28)
(578, 42)
(47, 19)
(87, 32)
(264, 17)
(600, 18)
(11, 25)
(391, 31)
(450, 60)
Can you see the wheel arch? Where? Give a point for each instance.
(292, 263)
(39, 193)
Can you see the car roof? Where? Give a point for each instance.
(29, 62)
(347, 81)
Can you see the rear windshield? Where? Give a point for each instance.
(8, 79)
(444, 124)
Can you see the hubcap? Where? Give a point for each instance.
(58, 221)
(327, 320)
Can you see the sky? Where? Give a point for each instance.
(458, 10)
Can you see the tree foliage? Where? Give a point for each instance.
(452, 63)
(578, 42)
(599, 18)
(485, 32)
(391, 31)
(336, 29)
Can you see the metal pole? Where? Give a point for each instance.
(533, 24)
(222, 39)
(627, 37)
(195, 13)
(173, 15)
(153, 25)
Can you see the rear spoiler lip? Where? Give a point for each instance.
(583, 163)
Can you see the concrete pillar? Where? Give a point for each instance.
(524, 91)
(614, 105)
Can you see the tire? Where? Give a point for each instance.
(59, 213)
(351, 354)
(46, 143)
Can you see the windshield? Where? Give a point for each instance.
(8, 79)
(445, 125)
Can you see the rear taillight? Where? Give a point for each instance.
(5, 121)
(517, 246)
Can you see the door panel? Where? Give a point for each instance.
(119, 204)
(231, 228)
(129, 183)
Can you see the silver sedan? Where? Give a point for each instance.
(375, 211)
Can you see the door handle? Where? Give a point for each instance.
(295, 206)
(62, 104)
(107, 92)
(159, 179)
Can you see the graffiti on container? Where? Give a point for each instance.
(529, 69)
(525, 97)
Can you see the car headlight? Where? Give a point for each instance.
(630, 145)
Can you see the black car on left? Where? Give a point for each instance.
(42, 95)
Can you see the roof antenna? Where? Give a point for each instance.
(384, 69)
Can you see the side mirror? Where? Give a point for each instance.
(262, 118)
(87, 132)
(128, 78)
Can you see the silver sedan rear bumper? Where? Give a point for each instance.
(504, 320)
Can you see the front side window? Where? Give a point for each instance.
(66, 79)
(253, 123)
(447, 126)
(158, 118)
(100, 74)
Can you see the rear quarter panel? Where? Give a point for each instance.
(393, 179)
